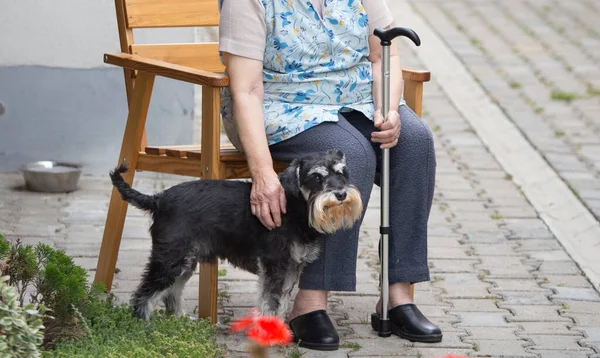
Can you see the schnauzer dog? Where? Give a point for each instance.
(203, 220)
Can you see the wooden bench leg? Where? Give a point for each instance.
(115, 219)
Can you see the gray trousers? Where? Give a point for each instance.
(412, 179)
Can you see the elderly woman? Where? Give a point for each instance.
(305, 77)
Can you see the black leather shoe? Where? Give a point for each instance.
(314, 330)
(409, 323)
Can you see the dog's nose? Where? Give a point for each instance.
(340, 195)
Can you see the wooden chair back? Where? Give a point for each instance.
(139, 14)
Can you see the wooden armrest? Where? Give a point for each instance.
(409, 74)
(166, 69)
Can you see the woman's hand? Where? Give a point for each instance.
(267, 198)
(389, 131)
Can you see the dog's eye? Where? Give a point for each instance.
(318, 178)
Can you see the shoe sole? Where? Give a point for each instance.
(318, 347)
(432, 338)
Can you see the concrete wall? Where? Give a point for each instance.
(59, 101)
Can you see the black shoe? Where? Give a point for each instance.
(409, 323)
(314, 330)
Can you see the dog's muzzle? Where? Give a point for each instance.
(335, 210)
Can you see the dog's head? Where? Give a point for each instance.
(322, 180)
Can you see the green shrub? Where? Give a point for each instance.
(21, 328)
(58, 283)
(115, 332)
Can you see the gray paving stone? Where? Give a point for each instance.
(562, 353)
(393, 347)
(499, 348)
(523, 298)
(482, 319)
(559, 268)
(452, 266)
(477, 305)
(548, 328)
(516, 285)
(566, 281)
(492, 333)
(584, 320)
(558, 342)
(505, 267)
(576, 293)
(531, 313)
(584, 307)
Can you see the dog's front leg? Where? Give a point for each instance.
(291, 278)
(272, 276)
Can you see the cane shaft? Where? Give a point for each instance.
(385, 186)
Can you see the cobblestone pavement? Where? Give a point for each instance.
(502, 285)
(540, 61)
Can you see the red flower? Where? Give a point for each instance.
(264, 330)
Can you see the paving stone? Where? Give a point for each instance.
(452, 266)
(499, 249)
(516, 285)
(523, 298)
(462, 286)
(393, 347)
(584, 307)
(531, 313)
(584, 320)
(537, 245)
(482, 319)
(559, 268)
(476, 305)
(500, 348)
(558, 342)
(557, 255)
(492, 333)
(500, 267)
(440, 352)
(566, 281)
(576, 293)
(562, 353)
(549, 328)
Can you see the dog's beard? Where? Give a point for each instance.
(327, 215)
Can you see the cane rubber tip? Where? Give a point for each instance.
(385, 328)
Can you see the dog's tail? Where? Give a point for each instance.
(130, 195)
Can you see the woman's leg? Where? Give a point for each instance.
(335, 269)
(412, 180)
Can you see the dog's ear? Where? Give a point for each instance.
(290, 177)
(338, 155)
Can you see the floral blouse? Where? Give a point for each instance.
(313, 66)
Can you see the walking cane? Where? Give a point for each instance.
(386, 37)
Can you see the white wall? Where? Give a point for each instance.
(69, 33)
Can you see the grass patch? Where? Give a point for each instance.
(351, 345)
(295, 353)
(593, 91)
(113, 331)
(515, 84)
(538, 110)
(496, 216)
(437, 278)
(563, 96)
(222, 272)
(565, 307)
(559, 134)
(508, 177)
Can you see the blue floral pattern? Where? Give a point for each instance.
(313, 65)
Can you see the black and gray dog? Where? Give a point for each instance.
(203, 220)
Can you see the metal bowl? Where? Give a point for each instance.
(51, 176)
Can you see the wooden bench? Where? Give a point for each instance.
(196, 63)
